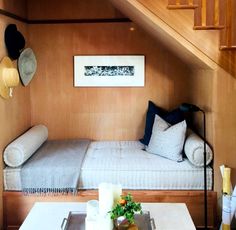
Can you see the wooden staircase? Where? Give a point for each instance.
(212, 15)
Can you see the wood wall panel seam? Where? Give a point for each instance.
(63, 21)
(72, 21)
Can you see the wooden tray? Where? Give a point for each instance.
(76, 221)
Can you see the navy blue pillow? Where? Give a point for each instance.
(150, 116)
(172, 117)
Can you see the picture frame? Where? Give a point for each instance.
(109, 71)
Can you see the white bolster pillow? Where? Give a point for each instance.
(21, 149)
(194, 150)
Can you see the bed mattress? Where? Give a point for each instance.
(126, 162)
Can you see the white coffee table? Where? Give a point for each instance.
(49, 215)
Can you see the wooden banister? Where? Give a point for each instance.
(228, 35)
(209, 15)
(181, 4)
(212, 15)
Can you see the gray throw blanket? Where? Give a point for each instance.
(54, 168)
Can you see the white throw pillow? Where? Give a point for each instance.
(21, 149)
(194, 150)
(166, 140)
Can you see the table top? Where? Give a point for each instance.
(49, 215)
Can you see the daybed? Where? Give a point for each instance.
(121, 162)
(150, 178)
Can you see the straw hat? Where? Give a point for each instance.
(27, 65)
(9, 77)
(14, 41)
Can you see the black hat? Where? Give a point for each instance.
(14, 41)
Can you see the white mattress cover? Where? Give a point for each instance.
(126, 163)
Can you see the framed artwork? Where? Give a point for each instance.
(109, 71)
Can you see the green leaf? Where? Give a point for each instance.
(128, 210)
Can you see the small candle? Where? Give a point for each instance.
(106, 198)
(117, 191)
(92, 208)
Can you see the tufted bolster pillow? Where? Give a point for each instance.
(21, 149)
(194, 150)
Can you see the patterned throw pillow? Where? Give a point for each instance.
(167, 140)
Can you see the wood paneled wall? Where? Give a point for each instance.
(200, 92)
(99, 113)
(225, 125)
(15, 112)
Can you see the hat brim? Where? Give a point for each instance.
(30, 56)
(4, 90)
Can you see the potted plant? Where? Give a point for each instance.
(124, 211)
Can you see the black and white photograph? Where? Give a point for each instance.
(109, 71)
(96, 71)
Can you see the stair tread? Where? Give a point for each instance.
(209, 27)
(176, 7)
(222, 47)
